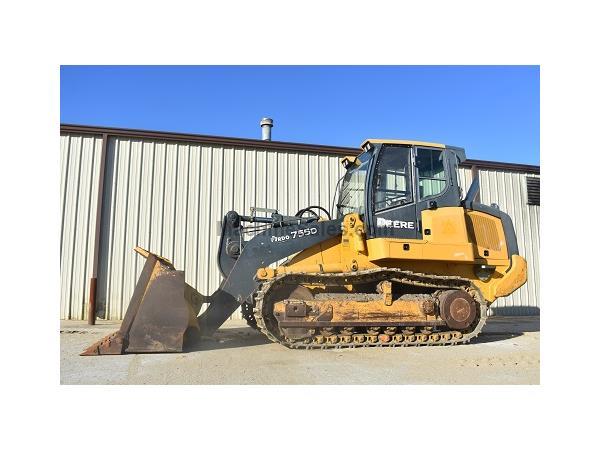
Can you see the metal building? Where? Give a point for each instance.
(167, 192)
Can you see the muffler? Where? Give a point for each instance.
(162, 313)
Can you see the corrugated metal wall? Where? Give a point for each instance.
(170, 197)
(509, 191)
(79, 175)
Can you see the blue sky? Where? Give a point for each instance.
(492, 111)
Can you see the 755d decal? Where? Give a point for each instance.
(295, 234)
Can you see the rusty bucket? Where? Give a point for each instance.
(162, 313)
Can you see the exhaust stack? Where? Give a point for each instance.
(266, 124)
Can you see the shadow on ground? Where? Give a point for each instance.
(229, 338)
(515, 311)
(502, 328)
(497, 324)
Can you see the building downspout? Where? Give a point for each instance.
(96, 255)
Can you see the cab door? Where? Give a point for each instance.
(435, 181)
(392, 200)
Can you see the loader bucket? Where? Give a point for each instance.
(162, 313)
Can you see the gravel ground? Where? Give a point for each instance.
(507, 352)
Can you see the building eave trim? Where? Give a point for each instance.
(260, 144)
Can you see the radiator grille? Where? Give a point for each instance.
(484, 231)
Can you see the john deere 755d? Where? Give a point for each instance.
(406, 261)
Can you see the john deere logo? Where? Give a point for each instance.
(385, 223)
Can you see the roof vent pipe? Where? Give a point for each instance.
(266, 124)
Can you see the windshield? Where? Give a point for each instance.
(352, 192)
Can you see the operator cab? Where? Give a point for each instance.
(392, 181)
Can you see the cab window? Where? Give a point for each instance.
(431, 173)
(392, 178)
(352, 191)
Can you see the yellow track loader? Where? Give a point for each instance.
(407, 260)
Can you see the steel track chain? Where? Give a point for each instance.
(336, 341)
(248, 315)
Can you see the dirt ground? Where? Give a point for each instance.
(507, 352)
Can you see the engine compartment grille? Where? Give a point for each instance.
(484, 232)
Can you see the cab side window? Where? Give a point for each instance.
(431, 173)
(392, 178)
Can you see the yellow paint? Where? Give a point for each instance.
(448, 240)
(344, 310)
(454, 247)
(488, 235)
(514, 278)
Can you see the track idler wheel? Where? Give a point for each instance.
(458, 309)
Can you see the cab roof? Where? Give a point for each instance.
(401, 142)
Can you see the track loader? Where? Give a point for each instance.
(406, 261)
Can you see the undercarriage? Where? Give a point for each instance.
(377, 307)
